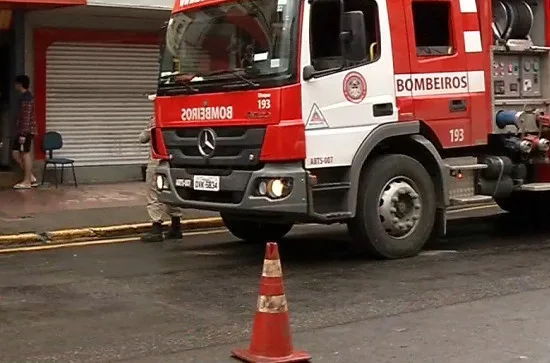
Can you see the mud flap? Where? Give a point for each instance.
(440, 227)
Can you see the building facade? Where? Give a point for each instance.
(92, 64)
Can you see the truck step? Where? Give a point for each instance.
(332, 186)
(474, 199)
(467, 167)
(536, 187)
(336, 216)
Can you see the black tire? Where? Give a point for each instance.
(251, 231)
(368, 233)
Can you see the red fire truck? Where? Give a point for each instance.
(380, 114)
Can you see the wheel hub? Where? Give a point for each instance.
(399, 208)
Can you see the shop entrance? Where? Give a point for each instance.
(6, 93)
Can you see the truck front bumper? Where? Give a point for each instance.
(238, 191)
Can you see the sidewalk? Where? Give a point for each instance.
(47, 209)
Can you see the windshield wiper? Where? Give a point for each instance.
(236, 72)
(178, 81)
(185, 79)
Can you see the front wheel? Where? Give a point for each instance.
(251, 231)
(396, 208)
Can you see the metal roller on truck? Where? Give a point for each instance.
(380, 114)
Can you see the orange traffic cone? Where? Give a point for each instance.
(271, 337)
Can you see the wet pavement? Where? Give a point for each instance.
(477, 296)
(49, 208)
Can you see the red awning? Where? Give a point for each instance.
(6, 7)
(39, 3)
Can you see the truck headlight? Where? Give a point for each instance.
(161, 182)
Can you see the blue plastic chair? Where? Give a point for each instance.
(54, 141)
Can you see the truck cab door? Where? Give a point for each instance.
(440, 81)
(341, 106)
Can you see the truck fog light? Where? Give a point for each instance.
(279, 188)
(161, 183)
(262, 188)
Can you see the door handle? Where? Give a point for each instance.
(382, 109)
(458, 105)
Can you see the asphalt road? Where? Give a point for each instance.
(479, 295)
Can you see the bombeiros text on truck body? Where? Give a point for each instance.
(375, 113)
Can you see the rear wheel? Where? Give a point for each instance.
(396, 208)
(252, 231)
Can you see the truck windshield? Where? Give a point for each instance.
(243, 43)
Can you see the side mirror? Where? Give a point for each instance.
(354, 37)
(308, 72)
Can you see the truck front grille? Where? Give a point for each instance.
(236, 147)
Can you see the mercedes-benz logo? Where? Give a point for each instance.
(206, 142)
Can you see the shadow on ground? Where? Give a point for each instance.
(308, 244)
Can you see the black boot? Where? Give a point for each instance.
(175, 229)
(155, 235)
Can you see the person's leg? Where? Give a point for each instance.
(154, 209)
(175, 226)
(27, 169)
(27, 159)
(29, 175)
(154, 235)
(24, 160)
(16, 154)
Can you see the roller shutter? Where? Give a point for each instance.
(95, 97)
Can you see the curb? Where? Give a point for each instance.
(66, 235)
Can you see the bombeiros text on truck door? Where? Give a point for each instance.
(375, 113)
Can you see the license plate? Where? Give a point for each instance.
(207, 183)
